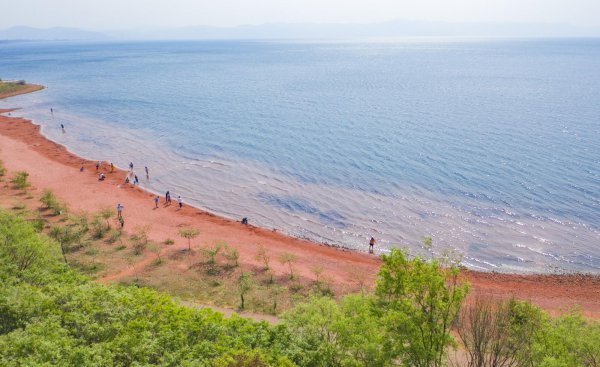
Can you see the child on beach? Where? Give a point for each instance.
(156, 201)
(180, 201)
(101, 177)
(371, 245)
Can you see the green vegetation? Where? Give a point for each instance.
(11, 87)
(51, 315)
(20, 180)
(50, 202)
(189, 234)
(2, 169)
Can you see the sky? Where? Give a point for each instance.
(129, 14)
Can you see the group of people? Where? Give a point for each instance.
(168, 200)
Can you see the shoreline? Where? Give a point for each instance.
(51, 165)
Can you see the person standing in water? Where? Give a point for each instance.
(371, 245)
(147, 173)
(131, 166)
(135, 180)
(62, 126)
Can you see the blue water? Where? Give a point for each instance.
(492, 147)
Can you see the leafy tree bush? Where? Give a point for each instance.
(232, 255)
(20, 180)
(289, 259)
(245, 284)
(417, 301)
(50, 201)
(189, 234)
(263, 256)
(332, 334)
(140, 240)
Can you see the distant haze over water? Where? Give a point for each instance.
(490, 147)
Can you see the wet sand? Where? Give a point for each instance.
(52, 166)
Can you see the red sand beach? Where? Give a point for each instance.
(52, 166)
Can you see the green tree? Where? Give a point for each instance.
(332, 334)
(232, 255)
(20, 243)
(289, 259)
(189, 234)
(262, 255)
(65, 236)
(245, 283)
(417, 301)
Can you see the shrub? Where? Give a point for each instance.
(98, 227)
(232, 255)
(2, 169)
(263, 256)
(211, 253)
(140, 240)
(20, 180)
(50, 201)
(114, 236)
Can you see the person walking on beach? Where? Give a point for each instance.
(156, 202)
(112, 167)
(371, 245)
(168, 197)
(135, 180)
(120, 210)
(97, 165)
(180, 201)
(147, 173)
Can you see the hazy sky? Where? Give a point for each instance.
(119, 14)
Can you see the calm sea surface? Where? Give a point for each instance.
(492, 148)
